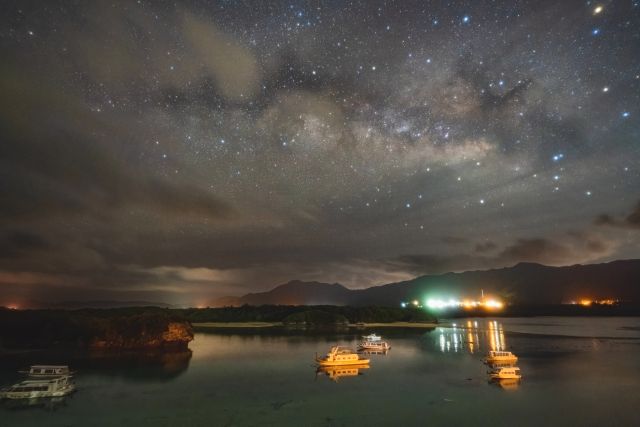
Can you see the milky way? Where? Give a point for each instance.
(181, 152)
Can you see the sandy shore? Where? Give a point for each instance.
(272, 324)
(397, 325)
(236, 324)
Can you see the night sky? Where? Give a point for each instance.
(179, 152)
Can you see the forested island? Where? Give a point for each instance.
(145, 328)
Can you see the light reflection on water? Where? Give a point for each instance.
(472, 336)
(433, 377)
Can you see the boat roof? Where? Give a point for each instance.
(48, 367)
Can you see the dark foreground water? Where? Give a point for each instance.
(576, 371)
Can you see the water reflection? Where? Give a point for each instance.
(50, 404)
(472, 336)
(336, 372)
(135, 366)
(509, 384)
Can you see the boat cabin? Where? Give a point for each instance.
(48, 370)
(505, 373)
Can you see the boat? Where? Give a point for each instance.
(505, 373)
(47, 371)
(373, 351)
(336, 372)
(372, 337)
(33, 389)
(501, 357)
(374, 345)
(340, 356)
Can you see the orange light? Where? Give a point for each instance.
(586, 302)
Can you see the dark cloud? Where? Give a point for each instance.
(485, 247)
(632, 220)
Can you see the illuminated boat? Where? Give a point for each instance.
(512, 373)
(374, 345)
(33, 389)
(336, 372)
(340, 356)
(373, 351)
(500, 357)
(47, 371)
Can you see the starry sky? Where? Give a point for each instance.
(183, 151)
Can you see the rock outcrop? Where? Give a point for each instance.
(175, 336)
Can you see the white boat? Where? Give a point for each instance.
(33, 389)
(372, 337)
(505, 373)
(374, 345)
(495, 357)
(47, 371)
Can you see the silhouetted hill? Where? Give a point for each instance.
(524, 283)
(294, 292)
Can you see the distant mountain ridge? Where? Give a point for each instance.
(101, 304)
(295, 292)
(525, 283)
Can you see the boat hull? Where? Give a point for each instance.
(36, 394)
(323, 362)
(505, 377)
(374, 347)
(501, 360)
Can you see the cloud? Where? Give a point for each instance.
(574, 248)
(631, 221)
(232, 65)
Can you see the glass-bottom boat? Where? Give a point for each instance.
(340, 356)
(33, 389)
(374, 345)
(505, 373)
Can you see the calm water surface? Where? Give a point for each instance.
(576, 371)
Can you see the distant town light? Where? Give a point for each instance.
(440, 304)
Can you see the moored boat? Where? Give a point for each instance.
(33, 389)
(500, 357)
(374, 345)
(340, 356)
(511, 373)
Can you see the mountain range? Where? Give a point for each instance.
(524, 283)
